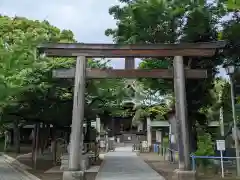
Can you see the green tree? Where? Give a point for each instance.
(230, 33)
(147, 102)
(28, 91)
(21, 70)
(32, 78)
(142, 21)
(19, 38)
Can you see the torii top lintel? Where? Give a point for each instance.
(133, 50)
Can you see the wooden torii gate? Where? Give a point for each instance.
(129, 52)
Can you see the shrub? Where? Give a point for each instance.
(205, 148)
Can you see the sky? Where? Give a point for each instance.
(88, 19)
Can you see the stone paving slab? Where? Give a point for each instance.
(8, 172)
(123, 164)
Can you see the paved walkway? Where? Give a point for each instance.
(7, 172)
(123, 164)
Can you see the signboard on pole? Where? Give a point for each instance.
(221, 145)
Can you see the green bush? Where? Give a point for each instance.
(205, 148)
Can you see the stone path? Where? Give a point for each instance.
(123, 164)
(7, 172)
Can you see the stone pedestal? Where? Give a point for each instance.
(183, 175)
(73, 175)
(65, 160)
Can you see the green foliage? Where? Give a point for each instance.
(148, 102)
(220, 98)
(28, 91)
(205, 148)
(205, 145)
(26, 80)
(230, 32)
(232, 5)
(153, 21)
(226, 103)
(157, 22)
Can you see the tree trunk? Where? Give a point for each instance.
(6, 140)
(192, 135)
(54, 145)
(16, 133)
(43, 135)
(46, 142)
(34, 132)
(42, 139)
(36, 148)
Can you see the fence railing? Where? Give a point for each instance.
(227, 165)
(140, 148)
(167, 153)
(212, 164)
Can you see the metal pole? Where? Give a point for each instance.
(235, 125)
(222, 167)
(78, 115)
(221, 115)
(181, 113)
(221, 121)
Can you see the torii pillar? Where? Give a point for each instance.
(181, 113)
(76, 138)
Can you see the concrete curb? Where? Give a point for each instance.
(15, 164)
(14, 161)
